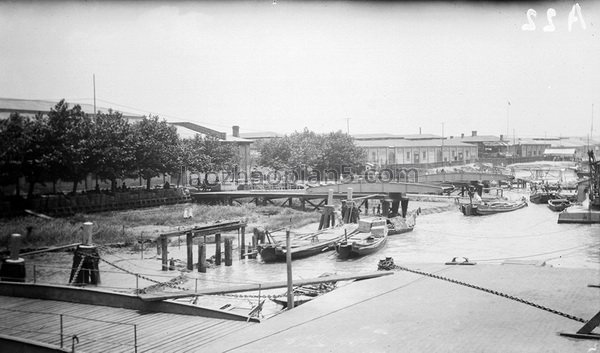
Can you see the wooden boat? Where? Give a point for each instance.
(400, 225)
(558, 205)
(304, 246)
(305, 293)
(370, 238)
(499, 207)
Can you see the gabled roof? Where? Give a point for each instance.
(478, 138)
(34, 106)
(260, 135)
(199, 129)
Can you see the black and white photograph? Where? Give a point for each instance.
(299, 176)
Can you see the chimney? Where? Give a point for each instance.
(451, 137)
(462, 136)
(501, 137)
(474, 133)
(236, 131)
(419, 131)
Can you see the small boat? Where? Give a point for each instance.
(400, 225)
(370, 238)
(542, 197)
(499, 207)
(304, 246)
(558, 205)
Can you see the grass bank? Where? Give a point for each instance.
(127, 226)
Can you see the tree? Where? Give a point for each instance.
(112, 152)
(13, 144)
(338, 149)
(276, 153)
(155, 146)
(70, 132)
(307, 149)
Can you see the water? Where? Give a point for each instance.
(530, 235)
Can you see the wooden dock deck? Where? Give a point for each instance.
(107, 329)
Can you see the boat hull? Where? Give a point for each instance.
(558, 204)
(352, 250)
(483, 210)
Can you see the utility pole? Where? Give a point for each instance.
(348, 126)
(507, 116)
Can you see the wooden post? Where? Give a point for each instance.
(385, 208)
(330, 197)
(228, 249)
(87, 233)
(202, 257)
(288, 260)
(218, 249)
(349, 194)
(366, 207)
(189, 242)
(165, 252)
(243, 243)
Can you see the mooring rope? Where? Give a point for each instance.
(388, 264)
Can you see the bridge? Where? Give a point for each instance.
(316, 197)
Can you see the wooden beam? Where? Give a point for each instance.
(263, 286)
(50, 249)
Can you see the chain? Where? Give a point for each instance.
(172, 283)
(388, 264)
(77, 270)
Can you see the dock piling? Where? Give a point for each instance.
(218, 249)
(228, 249)
(189, 240)
(13, 269)
(202, 257)
(288, 260)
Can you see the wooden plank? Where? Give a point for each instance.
(263, 286)
(210, 228)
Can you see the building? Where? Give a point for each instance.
(488, 146)
(526, 148)
(420, 152)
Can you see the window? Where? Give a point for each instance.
(460, 156)
(408, 156)
(467, 153)
(424, 155)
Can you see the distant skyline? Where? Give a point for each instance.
(282, 66)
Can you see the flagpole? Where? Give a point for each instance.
(507, 116)
(94, 78)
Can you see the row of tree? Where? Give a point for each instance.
(68, 144)
(308, 150)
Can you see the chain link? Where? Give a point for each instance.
(388, 264)
(172, 283)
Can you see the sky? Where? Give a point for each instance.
(362, 67)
